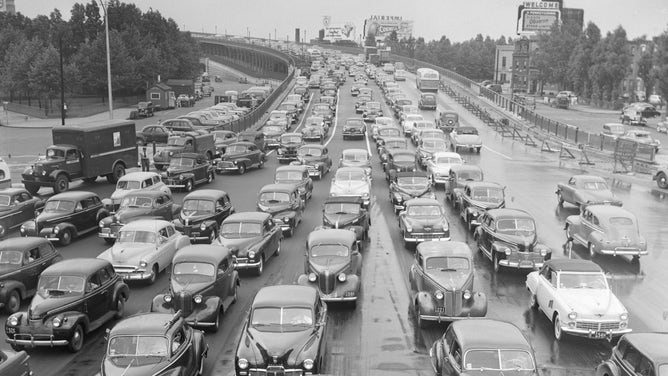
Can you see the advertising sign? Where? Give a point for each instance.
(383, 26)
(537, 16)
(340, 32)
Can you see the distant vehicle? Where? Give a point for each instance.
(583, 190)
(427, 79)
(642, 137)
(613, 130)
(465, 138)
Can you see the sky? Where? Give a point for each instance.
(458, 20)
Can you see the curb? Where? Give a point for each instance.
(27, 126)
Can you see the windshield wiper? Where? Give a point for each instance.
(448, 269)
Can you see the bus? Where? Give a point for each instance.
(427, 79)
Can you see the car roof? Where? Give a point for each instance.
(350, 169)
(469, 167)
(423, 201)
(448, 154)
(354, 151)
(344, 199)
(509, 213)
(144, 323)
(247, 217)
(331, 236)
(279, 187)
(483, 184)
(76, 266)
(205, 194)
(401, 151)
(607, 211)
(588, 178)
(395, 139)
(146, 193)
(467, 127)
(653, 345)
(243, 143)
(406, 174)
(317, 146)
(291, 134)
(489, 334)
(72, 195)
(20, 243)
(188, 155)
(299, 168)
(212, 254)
(146, 224)
(451, 248)
(254, 133)
(12, 191)
(139, 175)
(573, 265)
(285, 296)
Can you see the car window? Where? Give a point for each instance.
(93, 282)
(178, 340)
(222, 268)
(170, 231)
(31, 255)
(89, 202)
(645, 367)
(156, 179)
(456, 353)
(45, 249)
(71, 155)
(104, 275)
(631, 357)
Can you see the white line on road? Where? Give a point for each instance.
(366, 138)
(336, 119)
(496, 152)
(310, 100)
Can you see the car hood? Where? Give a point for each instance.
(419, 223)
(192, 217)
(597, 196)
(272, 134)
(127, 253)
(524, 241)
(274, 208)
(175, 171)
(413, 191)
(239, 246)
(334, 265)
(39, 306)
(341, 220)
(467, 139)
(132, 366)
(4, 209)
(452, 280)
(349, 187)
(279, 344)
(125, 214)
(192, 288)
(345, 163)
(442, 169)
(167, 149)
(597, 303)
(46, 217)
(231, 156)
(290, 144)
(310, 160)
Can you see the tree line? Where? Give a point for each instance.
(143, 45)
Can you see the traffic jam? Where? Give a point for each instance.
(402, 161)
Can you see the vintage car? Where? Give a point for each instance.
(360, 103)
(5, 175)
(428, 148)
(144, 248)
(483, 347)
(574, 295)
(606, 230)
(423, 220)
(424, 133)
(333, 265)
(284, 203)
(256, 137)
(239, 157)
(351, 181)
(272, 135)
(17, 205)
(314, 133)
(150, 341)
(583, 190)
(292, 109)
(642, 137)
(390, 144)
(21, 262)
(202, 213)
(186, 170)
(134, 181)
(476, 197)
(613, 130)
(418, 127)
(347, 213)
(441, 280)
(354, 128)
(316, 159)
(137, 205)
(323, 110)
(290, 143)
(447, 121)
(14, 363)
(637, 354)
(297, 175)
(252, 237)
(399, 160)
(202, 286)
(438, 167)
(222, 139)
(405, 186)
(356, 158)
(427, 101)
(454, 182)
(74, 297)
(408, 121)
(153, 134)
(66, 216)
(384, 132)
(465, 138)
(316, 121)
(380, 122)
(508, 238)
(372, 110)
(284, 333)
(280, 118)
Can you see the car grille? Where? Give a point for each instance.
(326, 281)
(183, 301)
(225, 164)
(125, 269)
(597, 325)
(627, 249)
(428, 235)
(275, 371)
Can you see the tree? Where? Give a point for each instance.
(44, 76)
(660, 70)
(581, 60)
(645, 64)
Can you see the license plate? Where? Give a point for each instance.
(526, 263)
(9, 330)
(439, 309)
(600, 334)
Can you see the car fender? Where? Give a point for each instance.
(532, 282)
(608, 368)
(120, 162)
(11, 285)
(121, 289)
(573, 222)
(102, 213)
(303, 280)
(183, 241)
(73, 318)
(158, 304)
(478, 305)
(209, 307)
(596, 238)
(424, 301)
(67, 226)
(55, 173)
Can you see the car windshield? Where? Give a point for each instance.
(372, 105)
(55, 154)
(355, 157)
(58, 285)
(582, 281)
(640, 135)
(355, 123)
(389, 132)
(423, 211)
(136, 202)
(420, 181)
(282, 319)
(321, 107)
(288, 176)
(176, 141)
(181, 162)
(469, 176)
(194, 207)
(520, 227)
(291, 139)
(404, 158)
(11, 257)
(424, 125)
(384, 121)
(241, 229)
(350, 175)
(236, 149)
(272, 129)
(491, 195)
(278, 116)
(54, 206)
(5, 200)
(447, 264)
(414, 117)
(395, 145)
(498, 360)
(274, 197)
(128, 236)
(128, 184)
(342, 208)
(448, 160)
(595, 185)
(434, 145)
(329, 250)
(193, 272)
(138, 346)
(310, 152)
(467, 131)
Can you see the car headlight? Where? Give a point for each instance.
(242, 363)
(543, 252)
(13, 320)
(197, 299)
(572, 316)
(171, 153)
(507, 251)
(143, 264)
(202, 226)
(439, 295)
(308, 364)
(56, 230)
(312, 277)
(467, 294)
(57, 322)
(342, 277)
(101, 224)
(23, 228)
(251, 255)
(279, 151)
(624, 316)
(167, 298)
(365, 194)
(286, 219)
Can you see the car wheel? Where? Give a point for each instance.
(495, 261)
(477, 150)
(592, 250)
(17, 348)
(189, 186)
(533, 302)
(662, 180)
(117, 172)
(65, 237)
(61, 184)
(241, 168)
(420, 322)
(236, 293)
(120, 307)
(13, 302)
(77, 340)
(560, 199)
(260, 164)
(568, 247)
(210, 178)
(260, 268)
(291, 232)
(90, 180)
(216, 323)
(154, 274)
(319, 174)
(558, 333)
(212, 236)
(278, 249)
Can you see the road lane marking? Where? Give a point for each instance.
(310, 100)
(496, 152)
(336, 118)
(366, 138)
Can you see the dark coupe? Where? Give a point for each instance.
(477, 197)
(316, 158)
(186, 170)
(202, 213)
(290, 143)
(239, 157)
(17, 205)
(347, 212)
(408, 185)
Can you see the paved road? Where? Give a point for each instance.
(380, 336)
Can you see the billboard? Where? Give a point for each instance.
(334, 33)
(537, 16)
(383, 26)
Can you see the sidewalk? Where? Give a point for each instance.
(16, 120)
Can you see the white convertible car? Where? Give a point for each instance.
(575, 296)
(144, 248)
(353, 182)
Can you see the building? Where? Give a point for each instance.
(182, 87)
(524, 78)
(503, 65)
(7, 6)
(573, 16)
(161, 95)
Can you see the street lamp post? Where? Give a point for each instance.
(106, 32)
